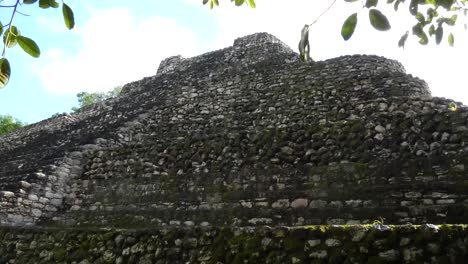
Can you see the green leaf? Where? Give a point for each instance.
(439, 33)
(5, 72)
(378, 20)
(29, 46)
(390, 1)
(418, 30)
(451, 21)
(420, 17)
(423, 39)
(432, 30)
(252, 3)
(371, 3)
(431, 13)
(68, 16)
(1, 28)
(349, 26)
(48, 3)
(216, 2)
(9, 38)
(211, 4)
(205, 1)
(239, 2)
(413, 7)
(28, 2)
(402, 41)
(451, 40)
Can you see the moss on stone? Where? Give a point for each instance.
(60, 254)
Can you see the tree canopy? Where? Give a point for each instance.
(9, 123)
(86, 98)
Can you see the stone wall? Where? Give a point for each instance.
(246, 136)
(314, 244)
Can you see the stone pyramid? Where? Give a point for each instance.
(245, 136)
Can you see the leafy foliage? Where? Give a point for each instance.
(214, 3)
(87, 99)
(378, 20)
(8, 124)
(349, 26)
(13, 36)
(431, 17)
(4, 71)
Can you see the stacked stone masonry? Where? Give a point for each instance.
(331, 244)
(246, 136)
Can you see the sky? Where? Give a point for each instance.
(119, 41)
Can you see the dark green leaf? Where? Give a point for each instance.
(413, 7)
(432, 30)
(371, 3)
(29, 46)
(1, 28)
(205, 1)
(349, 26)
(48, 3)
(9, 38)
(378, 20)
(68, 16)
(5, 72)
(439, 33)
(418, 30)
(451, 21)
(390, 1)
(239, 2)
(402, 41)
(44, 4)
(420, 17)
(431, 13)
(423, 39)
(28, 2)
(451, 40)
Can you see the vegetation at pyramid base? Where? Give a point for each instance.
(9, 124)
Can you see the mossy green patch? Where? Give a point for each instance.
(60, 254)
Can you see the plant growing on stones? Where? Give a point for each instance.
(379, 221)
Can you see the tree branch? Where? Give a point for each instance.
(9, 28)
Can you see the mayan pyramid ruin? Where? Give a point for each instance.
(244, 155)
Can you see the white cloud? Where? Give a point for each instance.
(115, 49)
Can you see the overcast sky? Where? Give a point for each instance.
(120, 41)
